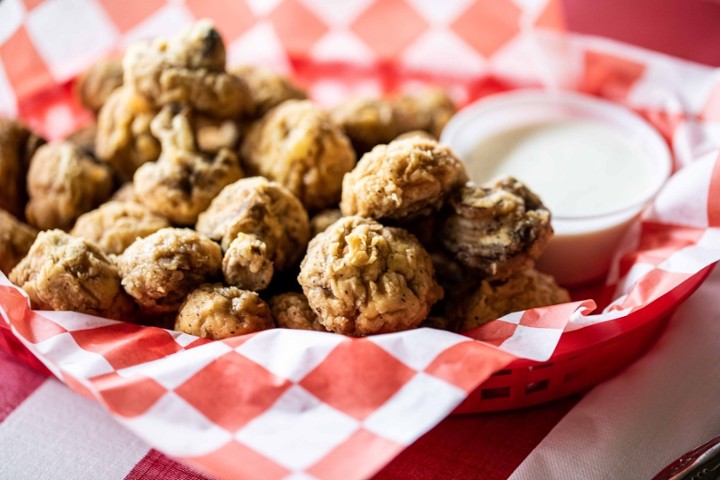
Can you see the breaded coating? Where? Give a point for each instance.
(322, 220)
(246, 263)
(497, 230)
(298, 145)
(126, 193)
(158, 271)
(291, 310)
(367, 122)
(95, 85)
(63, 183)
(114, 226)
(362, 278)
(216, 311)
(84, 138)
(124, 139)
(416, 134)
(188, 68)
(263, 209)
(212, 134)
(456, 281)
(183, 181)
(403, 180)
(17, 146)
(61, 272)
(428, 111)
(15, 241)
(267, 88)
(524, 290)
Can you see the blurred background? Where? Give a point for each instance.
(688, 29)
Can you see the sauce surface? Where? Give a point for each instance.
(578, 167)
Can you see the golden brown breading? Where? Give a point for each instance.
(95, 85)
(362, 278)
(216, 311)
(367, 122)
(403, 180)
(114, 226)
(17, 146)
(291, 310)
(183, 181)
(298, 145)
(322, 220)
(263, 209)
(267, 88)
(188, 68)
(64, 183)
(428, 111)
(15, 241)
(84, 138)
(524, 290)
(158, 271)
(124, 139)
(497, 230)
(246, 263)
(66, 273)
(416, 134)
(212, 134)
(126, 193)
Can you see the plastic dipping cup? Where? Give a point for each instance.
(595, 165)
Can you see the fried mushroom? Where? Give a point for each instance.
(183, 181)
(94, 86)
(267, 88)
(291, 310)
(158, 271)
(497, 230)
(212, 135)
(124, 140)
(428, 111)
(246, 263)
(16, 238)
(299, 146)
(215, 311)
(114, 226)
(322, 220)
(403, 180)
(367, 122)
(126, 193)
(63, 183)
(84, 138)
(61, 272)
(491, 300)
(17, 146)
(362, 278)
(271, 223)
(188, 68)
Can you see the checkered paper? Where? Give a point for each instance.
(270, 405)
(314, 405)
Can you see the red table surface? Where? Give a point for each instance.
(688, 29)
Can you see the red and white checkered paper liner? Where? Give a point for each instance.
(297, 404)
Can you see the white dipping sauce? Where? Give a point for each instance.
(578, 167)
(594, 164)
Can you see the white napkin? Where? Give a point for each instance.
(665, 404)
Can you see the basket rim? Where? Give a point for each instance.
(663, 306)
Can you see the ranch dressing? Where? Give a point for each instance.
(594, 164)
(578, 167)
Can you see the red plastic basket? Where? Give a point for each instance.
(578, 365)
(580, 360)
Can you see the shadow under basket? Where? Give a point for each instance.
(582, 359)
